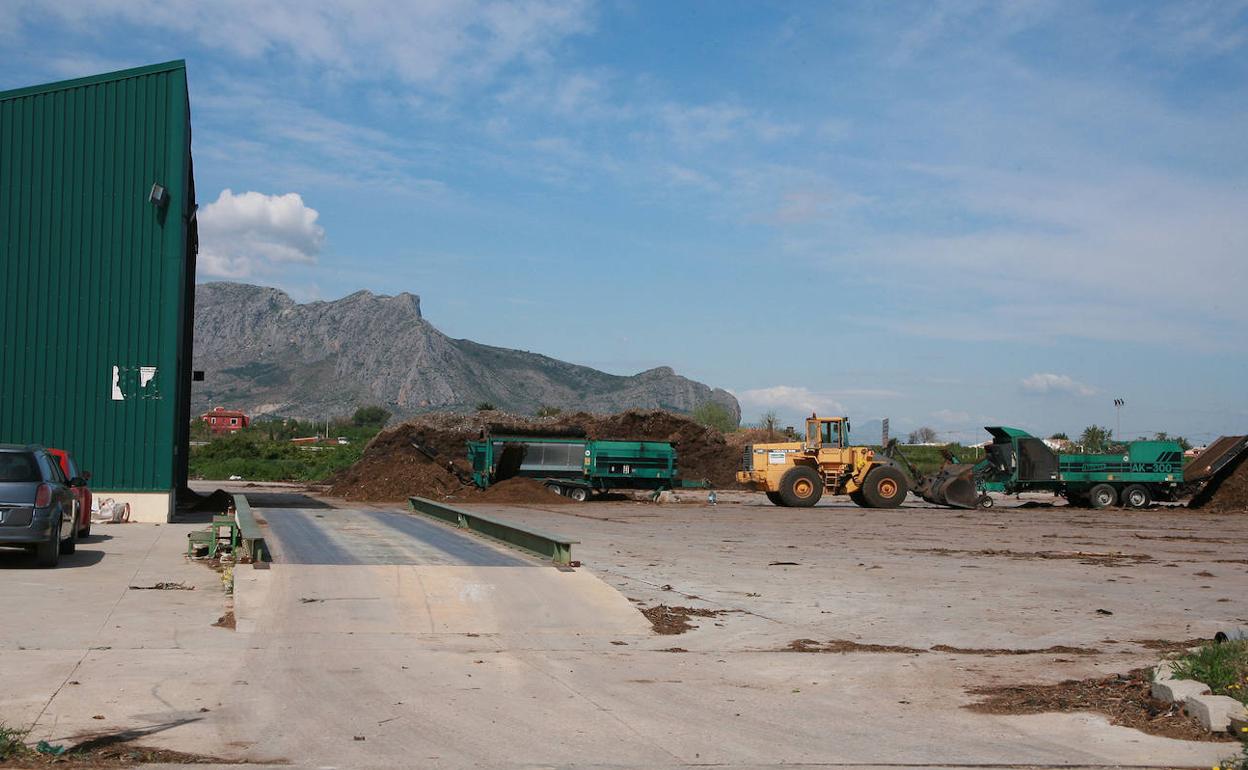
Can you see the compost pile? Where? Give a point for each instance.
(1228, 493)
(392, 468)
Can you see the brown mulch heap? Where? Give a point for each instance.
(517, 490)
(675, 620)
(1123, 698)
(1103, 559)
(1229, 493)
(1165, 645)
(1057, 649)
(392, 469)
(226, 620)
(90, 755)
(844, 645)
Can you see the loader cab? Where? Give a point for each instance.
(826, 433)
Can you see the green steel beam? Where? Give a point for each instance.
(557, 549)
(249, 530)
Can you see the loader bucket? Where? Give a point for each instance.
(952, 485)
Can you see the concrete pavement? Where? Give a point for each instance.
(464, 662)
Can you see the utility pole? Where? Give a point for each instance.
(1119, 403)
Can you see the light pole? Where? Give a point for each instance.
(1119, 403)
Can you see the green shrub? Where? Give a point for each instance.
(715, 415)
(256, 458)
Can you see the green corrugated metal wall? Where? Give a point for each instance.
(94, 276)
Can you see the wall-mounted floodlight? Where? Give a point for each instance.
(159, 196)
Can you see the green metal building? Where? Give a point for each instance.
(97, 270)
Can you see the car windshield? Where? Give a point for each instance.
(18, 467)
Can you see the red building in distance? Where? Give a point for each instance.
(222, 420)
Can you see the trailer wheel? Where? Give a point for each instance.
(1102, 496)
(555, 488)
(801, 487)
(1136, 496)
(885, 487)
(985, 502)
(579, 494)
(775, 498)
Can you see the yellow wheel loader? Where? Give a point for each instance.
(796, 474)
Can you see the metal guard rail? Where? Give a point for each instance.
(557, 549)
(250, 535)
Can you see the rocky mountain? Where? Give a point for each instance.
(266, 354)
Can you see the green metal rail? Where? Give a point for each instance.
(557, 549)
(250, 535)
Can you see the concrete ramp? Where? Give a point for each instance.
(363, 572)
(416, 599)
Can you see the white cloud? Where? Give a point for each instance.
(951, 416)
(246, 234)
(699, 126)
(789, 399)
(433, 43)
(1043, 383)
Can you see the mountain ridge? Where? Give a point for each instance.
(265, 353)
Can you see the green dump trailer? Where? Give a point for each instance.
(576, 467)
(1141, 473)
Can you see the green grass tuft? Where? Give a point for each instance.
(1224, 667)
(13, 743)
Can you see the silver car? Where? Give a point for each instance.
(38, 510)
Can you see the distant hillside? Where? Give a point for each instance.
(266, 354)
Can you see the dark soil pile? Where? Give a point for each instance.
(1228, 493)
(844, 645)
(190, 501)
(393, 468)
(112, 751)
(1166, 645)
(1123, 698)
(675, 620)
(1057, 649)
(517, 490)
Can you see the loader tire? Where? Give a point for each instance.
(858, 499)
(884, 487)
(775, 498)
(801, 487)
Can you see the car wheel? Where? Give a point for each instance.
(48, 553)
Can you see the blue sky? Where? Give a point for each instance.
(949, 213)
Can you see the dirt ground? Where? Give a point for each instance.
(1019, 599)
